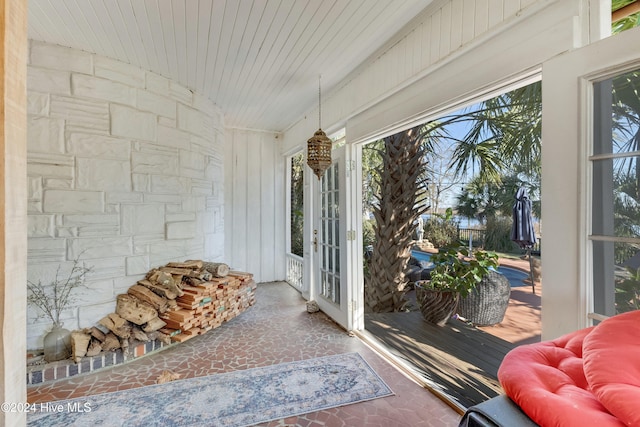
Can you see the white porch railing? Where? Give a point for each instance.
(295, 267)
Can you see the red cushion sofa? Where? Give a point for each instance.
(590, 377)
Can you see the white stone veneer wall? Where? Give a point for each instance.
(125, 169)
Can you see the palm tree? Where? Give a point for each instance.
(400, 202)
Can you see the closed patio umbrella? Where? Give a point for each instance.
(522, 231)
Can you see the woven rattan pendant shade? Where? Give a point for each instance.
(319, 153)
(319, 146)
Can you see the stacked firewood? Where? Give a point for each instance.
(172, 304)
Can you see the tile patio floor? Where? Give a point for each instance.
(277, 329)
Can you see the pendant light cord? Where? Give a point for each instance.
(319, 104)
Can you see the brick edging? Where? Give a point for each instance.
(38, 374)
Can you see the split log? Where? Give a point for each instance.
(157, 335)
(97, 334)
(137, 334)
(192, 264)
(117, 325)
(148, 296)
(176, 271)
(161, 290)
(94, 348)
(111, 342)
(166, 280)
(135, 311)
(153, 325)
(218, 269)
(79, 344)
(124, 344)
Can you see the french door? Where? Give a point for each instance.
(591, 183)
(330, 289)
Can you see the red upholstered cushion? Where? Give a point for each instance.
(611, 355)
(547, 381)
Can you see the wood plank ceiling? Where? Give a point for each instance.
(259, 60)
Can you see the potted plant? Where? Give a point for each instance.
(52, 299)
(456, 273)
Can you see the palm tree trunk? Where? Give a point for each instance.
(400, 203)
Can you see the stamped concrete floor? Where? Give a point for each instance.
(277, 329)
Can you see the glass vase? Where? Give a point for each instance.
(57, 344)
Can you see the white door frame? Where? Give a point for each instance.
(567, 130)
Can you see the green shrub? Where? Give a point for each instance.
(498, 235)
(441, 231)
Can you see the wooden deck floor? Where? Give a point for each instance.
(456, 360)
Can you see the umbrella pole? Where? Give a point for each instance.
(533, 285)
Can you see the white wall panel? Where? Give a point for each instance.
(254, 204)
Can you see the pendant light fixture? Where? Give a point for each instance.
(319, 145)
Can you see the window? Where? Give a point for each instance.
(615, 233)
(296, 206)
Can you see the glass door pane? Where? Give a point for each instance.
(330, 239)
(616, 194)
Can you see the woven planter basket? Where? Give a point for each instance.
(436, 306)
(487, 304)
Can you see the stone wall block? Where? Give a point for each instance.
(157, 104)
(70, 201)
(172, 137)
(58, 183)
(98, 146)
(166, 121)
(207, 106)
(34, 188)
(40, 226)
(157, 84)
(103, 89)
(96, 292)
(90, 314)
(132, 123)
(48, 81)
(154, 163)
(180, 93)
(207, 146)
(60, 58)
(45, 135)
(192, 164)
(103, 174)
(50, 165)
(82, 220)
(81, 114)
(117, 71)
(137, 265)
(142, 219)
(117, 197)
(38, 103)
(94, 249)
(193, 203)
(164, 184)
(193, 121)
(201, 187)
(181, 216)
(140, 182)
(181, 230)
(47, 250)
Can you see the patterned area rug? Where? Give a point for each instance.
(238, 398)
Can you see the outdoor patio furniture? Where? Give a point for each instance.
(418, 270)
(487, 304)
(585, 378)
